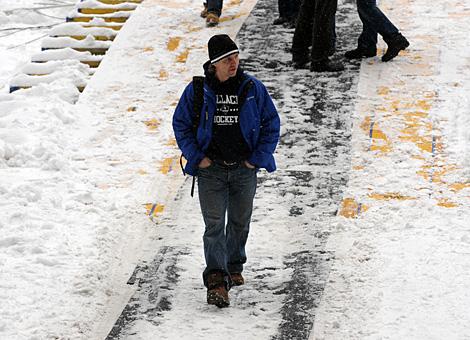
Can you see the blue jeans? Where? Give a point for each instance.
(226, 192)
(373, 22)
(214, 6)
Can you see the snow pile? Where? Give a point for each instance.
(63, 42)
(64, 53)
(97, 4)
(70, 71)
(100, 23)
(55, 65)
(120, 14)
(72, 28)
(32, 132)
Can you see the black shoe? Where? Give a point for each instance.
(280, 21)
(291, 23)
(326, 66)
(360, 52)
(301, 62)
(397, 44)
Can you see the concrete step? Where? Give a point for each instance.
(48, 67)
(117, 17)
(80, 32)
(89, 44)
(75, 49)
(94, 51)
(111, 25)
(67, 54)
(97, 8)
(16, 88)
(47, 72)
(83, 37)
(102, 10)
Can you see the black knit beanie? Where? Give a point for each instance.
(221, 46)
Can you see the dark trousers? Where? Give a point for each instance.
(214, 6)
(226, 193)
(288, 8)
(316, 27)
(373, 22)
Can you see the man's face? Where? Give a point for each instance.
(227, 67)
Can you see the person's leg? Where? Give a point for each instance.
(292, 9)
(215, 6)
(325, 11)
(282, 5)
(367, 42)
(368, 39)
(303, 34)
(374, 21)
(322, 44)
(241, 194)
(213, 198)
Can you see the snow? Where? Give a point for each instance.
(119, 14)
(77, 78)
(64, 53)
(51, 66)
(97, 4)
(72, 28)
(88, 42)
(75, 178)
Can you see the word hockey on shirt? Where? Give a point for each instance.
(227, 110)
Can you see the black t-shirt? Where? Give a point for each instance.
(227, 142)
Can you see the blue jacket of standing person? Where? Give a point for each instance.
(259, 124)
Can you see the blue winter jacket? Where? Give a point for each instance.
(259, 123)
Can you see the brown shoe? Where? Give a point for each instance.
(204, 11)
(237, 279)
(217, 293)
(212, 19)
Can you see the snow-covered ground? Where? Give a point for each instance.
(77, 182)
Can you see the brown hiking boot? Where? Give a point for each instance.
(217, 293)
(204, 11)
(237, 279)
(212, 19)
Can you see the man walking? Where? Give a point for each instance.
(373, 22)
(316, 27)
(234, 134)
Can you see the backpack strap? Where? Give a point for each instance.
(198, 102)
